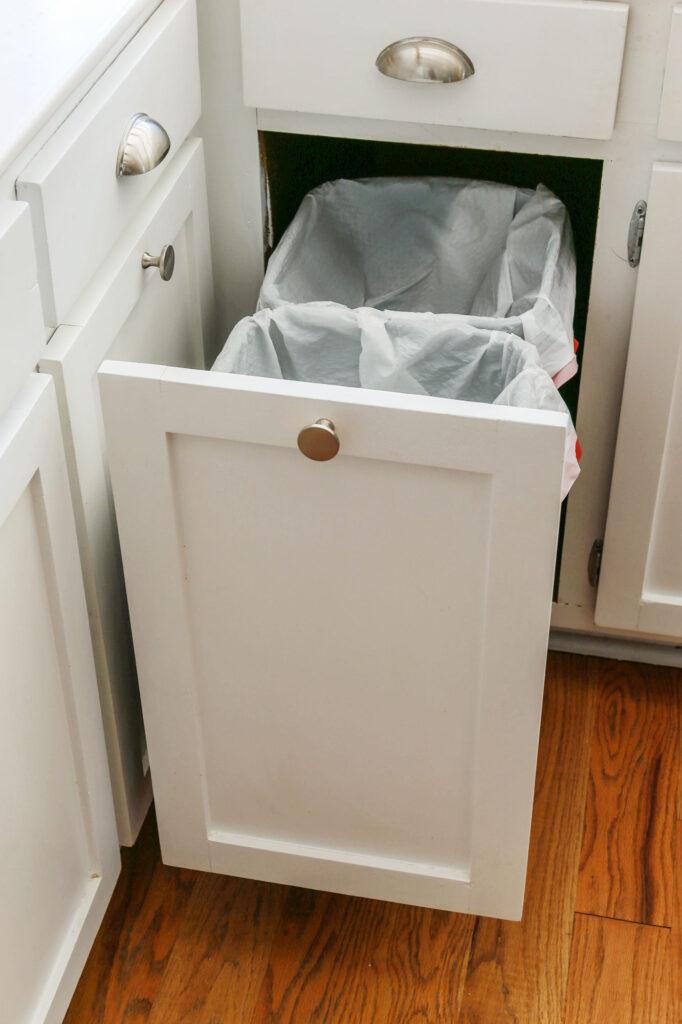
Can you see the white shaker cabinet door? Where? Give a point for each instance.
(641, 578)
(59, 855)
(129, 313)
(341, 663)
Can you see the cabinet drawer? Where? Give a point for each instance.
(549, 67)
(128, 312)
(79, 204)
(22, 333)
(341, 663)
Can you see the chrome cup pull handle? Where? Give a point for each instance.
(144, 145)
(423, 59)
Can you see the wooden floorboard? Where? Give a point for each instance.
(221, 953)
(620, 973)
(338, 959)
(626, 868)
(518, 971)
(183, 947)
(129, 958)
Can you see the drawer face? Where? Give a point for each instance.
(551, 68)
(22, 333)
(341, 663)
(79, 205)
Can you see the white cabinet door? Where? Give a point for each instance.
(59, 855)
(129, 313)
(641, 578)
(342, 663)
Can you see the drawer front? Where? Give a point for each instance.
(341, 663)
(546, 67)
(130, 313)
(79, 204)
(22, 332)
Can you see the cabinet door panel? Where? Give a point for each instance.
(641, 578)
(341, 664)
(129, 313)
(58, 848)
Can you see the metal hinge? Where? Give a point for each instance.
(594, 562)
(636, 233)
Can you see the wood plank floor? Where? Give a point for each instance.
(600, 941)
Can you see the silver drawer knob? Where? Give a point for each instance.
(145, 144)
(165, 262)
(423, 59)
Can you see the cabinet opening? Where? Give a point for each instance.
(294, 164)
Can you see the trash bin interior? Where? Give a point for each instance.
(477, 249)
(442, 287)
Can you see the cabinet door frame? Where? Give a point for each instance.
(177, 205)
(628, 597)
(32, 458)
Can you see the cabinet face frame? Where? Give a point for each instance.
(33, 481)
(175, 212)
(640, 586)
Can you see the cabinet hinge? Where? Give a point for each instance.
(636, 233)
(594, 562)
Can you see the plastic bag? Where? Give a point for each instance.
(498, 256)
(436, 286)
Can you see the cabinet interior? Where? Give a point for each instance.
(293, 164)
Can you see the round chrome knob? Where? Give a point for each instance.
(319, 441)
(144, 145)
(165, 262)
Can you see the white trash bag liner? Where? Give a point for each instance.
(499, 256)
(415, 353)
(437, 287)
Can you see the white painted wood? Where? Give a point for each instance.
(616, 647)
(79, 205)
(341, 665)
(130, 314)
(59, 854)
(47, 50)
(641, 580)
(21, 317)
(233, 170)
(546, 66)
(670, 120)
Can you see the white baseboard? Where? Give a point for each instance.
(611, 647)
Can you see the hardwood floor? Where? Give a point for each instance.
(600, 941)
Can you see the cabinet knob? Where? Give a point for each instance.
(145, 144)
(319, 441)
(165, 262)
(424, 59)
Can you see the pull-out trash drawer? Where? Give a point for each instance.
(341, 662)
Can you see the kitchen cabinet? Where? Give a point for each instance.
(59, 849)
(129, 313)
(215, 505)
(641, 575)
